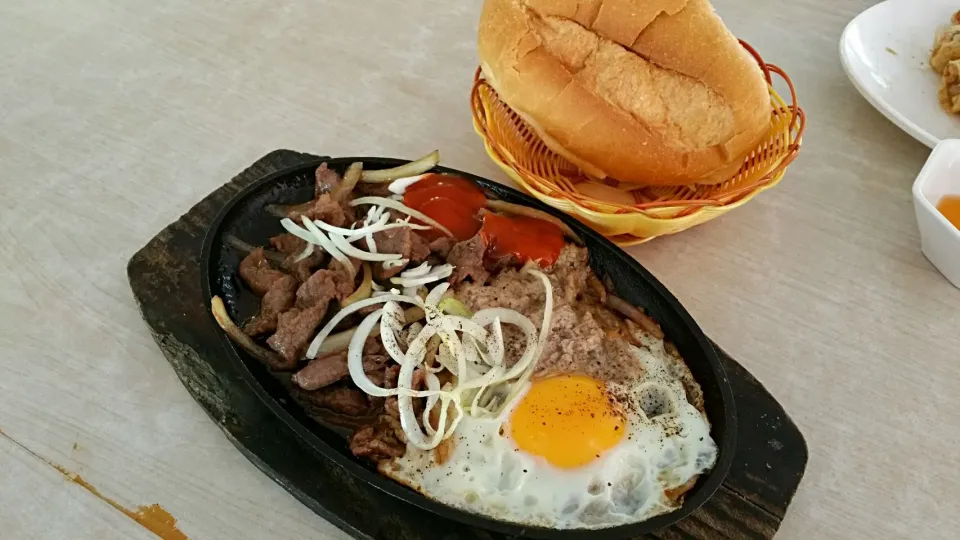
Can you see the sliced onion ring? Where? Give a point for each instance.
(352, 308)
(413, 168)
(327, 245)
(421, 270)
(400, 185)
(400, 207)
(362, 231)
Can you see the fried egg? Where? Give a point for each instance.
(572, 451)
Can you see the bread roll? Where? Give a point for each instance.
(655, 92)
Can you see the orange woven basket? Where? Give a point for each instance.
(656, 211)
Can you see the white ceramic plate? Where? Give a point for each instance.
(885, 52)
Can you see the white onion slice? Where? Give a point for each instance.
(465, 325)
(408, 417)
(494, 344)
(436, 294)
(486, 316)
(355, 365)
(438, 273)
(353, 308)
(400, 185)
(395, 225)
(352, 251)
(413, 331)
(446, 359)
(542, 340)
(418, 271)
(400, 207)
(307, 251)
(393, 322)
(326, 244)
(421, 165)
(298, 231)
(362, 231)
(433, 383)
(395, 263)
(355, 358)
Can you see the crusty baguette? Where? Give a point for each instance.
(655, 92)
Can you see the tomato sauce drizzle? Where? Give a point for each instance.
(524, 238)
(451, 200)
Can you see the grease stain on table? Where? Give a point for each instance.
(154, 517)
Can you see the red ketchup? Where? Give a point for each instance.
(451, 200)
(525, 238)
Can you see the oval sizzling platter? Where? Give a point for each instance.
(245, 217)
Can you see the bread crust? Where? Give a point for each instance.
(654, 92)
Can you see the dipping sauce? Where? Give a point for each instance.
(527, 239)
(451, 200)
(949, 206)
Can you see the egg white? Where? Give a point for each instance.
(486, 473)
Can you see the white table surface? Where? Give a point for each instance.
(115, 117)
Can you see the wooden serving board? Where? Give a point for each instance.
(165, 277)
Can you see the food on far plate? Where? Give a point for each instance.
(950, 88)
(473, 352)
(655, 93)
(945, 60)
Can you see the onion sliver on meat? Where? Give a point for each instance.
(352, 251)
(413, 168)
(441, 272)
(362, 231)
(400, 207)
(417, 272)
(400, 185)
(351, 309)
(313, 235)
(471, 380)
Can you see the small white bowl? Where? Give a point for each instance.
(940, 240)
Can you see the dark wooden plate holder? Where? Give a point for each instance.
(165, 277)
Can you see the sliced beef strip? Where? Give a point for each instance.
(304, 268)
(326, 180)
(323, 208)
(292, 247)
(322, 372)
(287, 244)
(379, 441)
(256, 272)
(347, 277)
(367, 189)
(278, 299)
(372, 346)
(296, 327)
(338, 399)
(404, 242)
(467, 259)
(442, 246)
(320, 288)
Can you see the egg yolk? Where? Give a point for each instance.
(567, 420)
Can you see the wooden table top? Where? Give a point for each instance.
(115, 118)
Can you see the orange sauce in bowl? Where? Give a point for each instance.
(949, 206)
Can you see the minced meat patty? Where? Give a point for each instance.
(577, 342)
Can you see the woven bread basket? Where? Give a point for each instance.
(656, 211)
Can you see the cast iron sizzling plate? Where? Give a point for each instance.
(245, 217)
